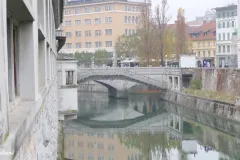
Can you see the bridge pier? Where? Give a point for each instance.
(119, 94)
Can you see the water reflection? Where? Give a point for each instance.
(171, 133)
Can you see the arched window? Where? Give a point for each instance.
(129, 19)
(133, 19)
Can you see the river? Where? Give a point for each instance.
(144, 127)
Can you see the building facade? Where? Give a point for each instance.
(226, 27)
(203, 40)
(93, 25)
(28, 83)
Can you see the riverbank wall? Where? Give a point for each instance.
(217, 108)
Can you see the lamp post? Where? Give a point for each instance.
(92, 61)
(166, 61)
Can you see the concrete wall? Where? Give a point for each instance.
(225, 110)
(67, 99)
(221, 80)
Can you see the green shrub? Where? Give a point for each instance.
(196, 84)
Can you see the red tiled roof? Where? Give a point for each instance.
(209, 27)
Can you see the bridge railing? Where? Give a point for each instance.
(128, 72)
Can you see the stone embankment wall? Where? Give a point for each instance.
(217, 108)
(40, 141)
(220, 80)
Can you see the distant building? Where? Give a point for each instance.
(203, 43)
(91, 25)
(209, 16)
(226, 30)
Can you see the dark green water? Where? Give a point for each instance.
(145, 127)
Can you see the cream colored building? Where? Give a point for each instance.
(91, 25)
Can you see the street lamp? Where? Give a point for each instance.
(92, 61)
(166, 61)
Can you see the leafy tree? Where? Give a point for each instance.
(101, 57)
(84, 58)
(126, 46)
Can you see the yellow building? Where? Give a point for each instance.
(91, 25)
(203, 42)
(97, 146)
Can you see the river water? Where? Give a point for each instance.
(144, 127)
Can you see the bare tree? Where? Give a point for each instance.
(181, 39)
(145, 29)
(162, 20)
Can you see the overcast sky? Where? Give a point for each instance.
(193, 8)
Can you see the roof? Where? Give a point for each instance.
(65, 57)
(232, 6)
(80, 2)
(194, 23)
(205, 32)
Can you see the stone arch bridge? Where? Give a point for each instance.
(161, 78)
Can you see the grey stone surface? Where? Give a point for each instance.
(217, 108)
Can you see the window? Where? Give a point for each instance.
(224, 36)
(125, 19)
(77, 22)
(87, 21)
(98, 44)
(69, 80)
(204, 54)
(88, 33)
(108, 19)
(219, 15)
(228, 48)
(219, 36)
(219, 25)
(208, 44)
(130, 32)
(98, 33)
(232, 14)
(88, 44)
(126, 8)
(108, 31)
(80, 156)
(228, 25)
(90, 144)
(78, 45)
(67, 12)
(86, 10)
(199, 53)
(68, 23)
(129, 19)
(97, 9)
(77, 11)
(110, 147)
(126, 32)
(80, 144)
(111, 136)
(78, 33)
(133, 9)
(219, 49)
(100, 146)
(224, 49)
(100, 135)
(227, 14)
(209, 52)
(68, 34)
(108, 8)
(133, 19)
(97, 20)
(137, 9)
(108, 43)
(233, 24)
(223, 14)
(90, 157)
(223, 24)
(129, 8)
(100, 158)
(133, 31)
(228, 35)
(110, 158)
